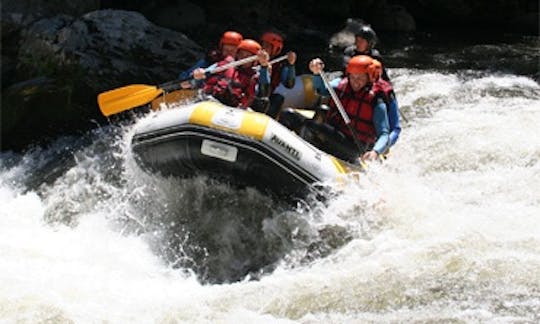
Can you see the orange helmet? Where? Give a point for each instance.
(275, 40)
(359, 64)
(375, 70)
(249, 45)
(230, 38)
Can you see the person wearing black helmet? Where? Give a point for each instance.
(365, 40)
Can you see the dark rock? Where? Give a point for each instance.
(82, 57)
(502, 15)
(177, 15)
(393, 18)
(17, 14)
(345, 37)
(112, 47)
(40, 109)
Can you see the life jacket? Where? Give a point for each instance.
(383, 89)
(359, 108)
(234, 87)
(275, 76)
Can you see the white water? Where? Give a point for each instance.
(446, 230)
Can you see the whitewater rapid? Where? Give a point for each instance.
(446, 230)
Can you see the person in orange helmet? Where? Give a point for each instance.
(365, 40)
(366, 136)
(365, 108)
(239, 86)
(283, 72)
(227, 46)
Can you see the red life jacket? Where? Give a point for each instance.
(234, 87)
(383, 89)
(275, 75)
(359, 107)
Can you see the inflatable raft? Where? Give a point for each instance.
(303, 94)
(233, 145)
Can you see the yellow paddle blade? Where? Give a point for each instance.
(174, 97)
(121, 99)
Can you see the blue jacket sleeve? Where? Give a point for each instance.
(318, 85)
(380, 121)
(263, 83)
(288, 75)
(184, 75)
(393, 120)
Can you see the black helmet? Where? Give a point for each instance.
(367, 33)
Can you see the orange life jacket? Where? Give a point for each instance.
(234, 87)
(359, 107)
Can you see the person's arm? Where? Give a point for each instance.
(393, 120)
(316, 66)
(288, 76)
(318, 85)
(380, 121)
(288, 72)
(259, 92)
(263, 83)
(202, 63)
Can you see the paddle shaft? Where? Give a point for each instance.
(403, 116)
(342, 111)
(276, 60)
(175, 85)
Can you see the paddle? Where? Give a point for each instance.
(341, 110)
(135, 95)
(276, 60)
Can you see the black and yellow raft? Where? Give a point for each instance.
(240, 147)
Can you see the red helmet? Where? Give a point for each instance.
(249, 45)
(359, 64)
(375, 70)
(275, 40)
(230, 38)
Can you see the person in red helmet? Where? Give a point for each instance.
(283, 72)
(365, 108)
(242, 85)
(227, 47)
(365, 40)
